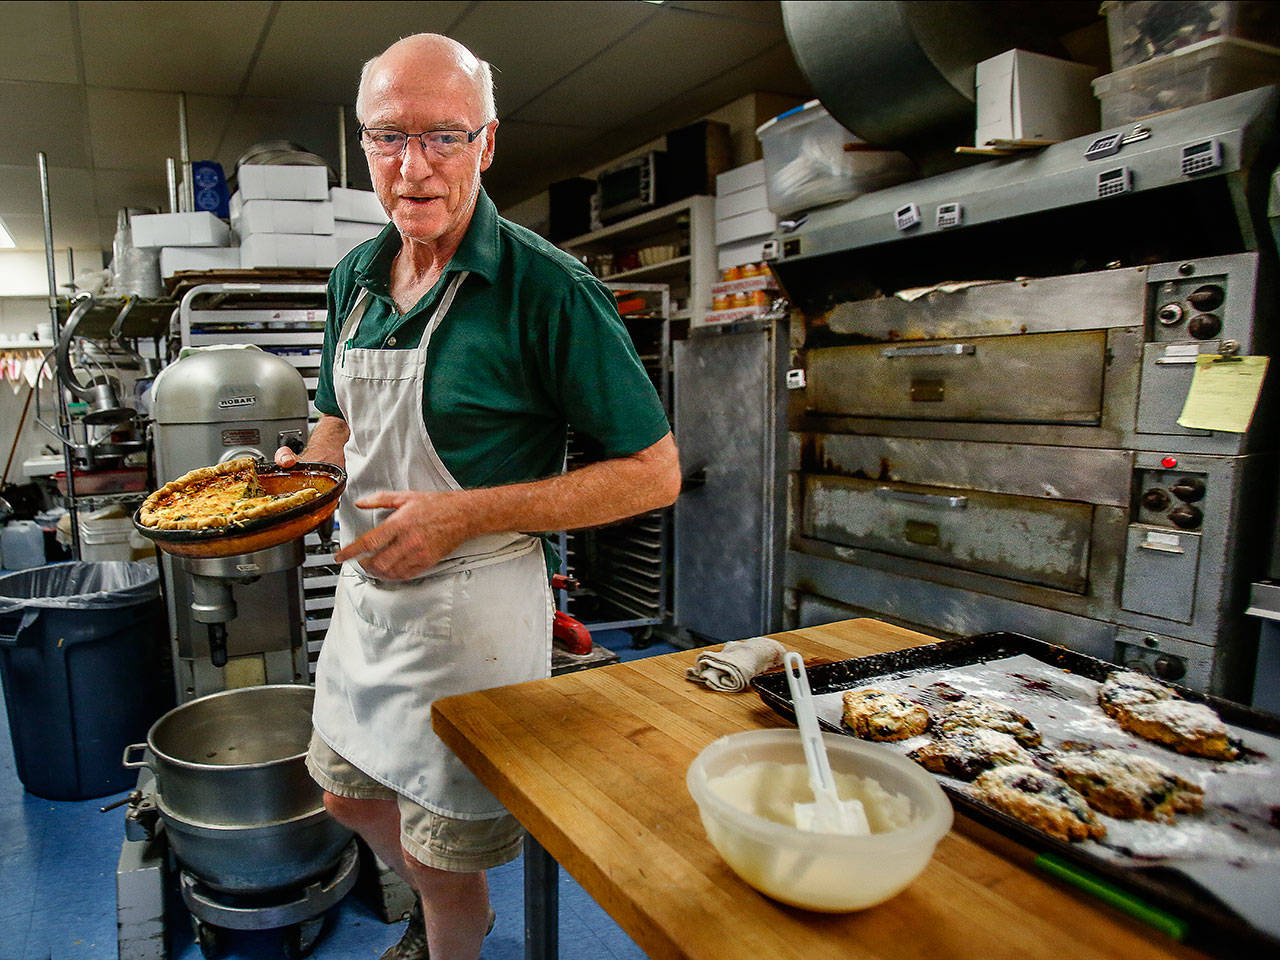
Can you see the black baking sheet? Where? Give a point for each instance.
(1213, 925)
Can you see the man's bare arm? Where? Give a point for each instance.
(427, 525)
(325, 443)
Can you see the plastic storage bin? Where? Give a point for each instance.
(809, 160)
(81, 648)
(1143, 30)
(1209, 70)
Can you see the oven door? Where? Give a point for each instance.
(1032, 378)
(1029, 539)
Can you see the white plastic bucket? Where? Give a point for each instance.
(105, 537)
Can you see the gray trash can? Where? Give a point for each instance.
(83, 653)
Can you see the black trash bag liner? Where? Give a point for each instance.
(80, 585)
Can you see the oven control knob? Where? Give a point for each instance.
(1186, 516)
(1169, 668)
(1208, 297)
(1188, 489)
(1169, 314)
(1204, 326)
(1156, 499)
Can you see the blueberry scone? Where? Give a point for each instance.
(964, 754)
(1187, 727)
(1040, 800)
(1128, 688)
(1127, 786)
(1148, 708)
(975, 712)
(875, 715)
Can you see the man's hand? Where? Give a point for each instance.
(422, 528)
(325, 444)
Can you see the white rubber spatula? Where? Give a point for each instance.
(828, 813)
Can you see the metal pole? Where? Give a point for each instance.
(342, 146)
(184, 154)
(64, 417)
(71, 269)
(171, 175)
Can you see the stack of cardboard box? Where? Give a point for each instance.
(187, 241)
(357, 217)
(283, 216)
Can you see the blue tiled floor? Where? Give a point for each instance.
(58, 899)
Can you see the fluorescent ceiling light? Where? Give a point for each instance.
(6, 238)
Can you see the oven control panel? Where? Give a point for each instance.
(1171, 498)
(1190, 308)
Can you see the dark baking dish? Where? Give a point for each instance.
(261, 532)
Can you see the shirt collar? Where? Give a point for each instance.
(477, 253)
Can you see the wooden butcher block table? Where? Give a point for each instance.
(593, 764)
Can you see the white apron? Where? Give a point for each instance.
(480, 618)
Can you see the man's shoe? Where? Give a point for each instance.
(413, 945)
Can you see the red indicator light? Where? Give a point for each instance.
(1169, 462)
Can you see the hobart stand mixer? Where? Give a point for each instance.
(237, 637)
(211, 407)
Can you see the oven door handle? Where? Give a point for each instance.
(930, 350)
(924, 499)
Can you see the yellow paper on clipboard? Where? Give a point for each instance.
(1223, 393)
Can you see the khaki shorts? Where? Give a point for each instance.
(446, 843)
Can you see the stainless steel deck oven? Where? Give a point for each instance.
(994, 363)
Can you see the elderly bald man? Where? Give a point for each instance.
(459, 349)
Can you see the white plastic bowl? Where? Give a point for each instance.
(819, 871)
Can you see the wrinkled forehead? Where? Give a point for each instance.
(424, 95)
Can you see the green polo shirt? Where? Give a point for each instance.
(531, 346)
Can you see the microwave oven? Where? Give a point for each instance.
(630, 187)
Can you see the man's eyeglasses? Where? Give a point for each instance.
(437, 144)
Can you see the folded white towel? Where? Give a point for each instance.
(731, 668)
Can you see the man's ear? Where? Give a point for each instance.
(486, 158)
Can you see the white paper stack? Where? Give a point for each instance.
(358, 216)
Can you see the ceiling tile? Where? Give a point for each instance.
(37, 43)
(669, 54)
(171, 46)
(555, 38)
(315, 51)
(757, 10)
(43, 116)
(137, 129)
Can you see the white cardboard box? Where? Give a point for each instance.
(287, 250)
(1028, 96)
(198, 229)
(356, 230)
(361, 205)
(281, 216)
(345, 244)
(750, 250)
(740, 178)
(754, 223)
(282, 182)
(173, 259)
(747, 200)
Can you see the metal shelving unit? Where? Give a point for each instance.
(623, 567)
